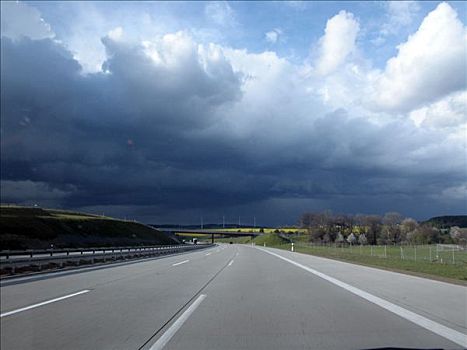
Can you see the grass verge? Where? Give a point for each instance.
(456, 273)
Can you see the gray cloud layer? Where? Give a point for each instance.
(152, 135)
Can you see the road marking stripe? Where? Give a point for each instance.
(43, 303)
(165, 338)
(432, 326)
(181, 262)
(231, 262)
(208, 254)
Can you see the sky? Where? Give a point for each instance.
(169, 112)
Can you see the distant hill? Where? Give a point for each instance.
(448, 221)
(37, 228)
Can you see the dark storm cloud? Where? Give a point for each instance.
(136, 135)
(122, 137)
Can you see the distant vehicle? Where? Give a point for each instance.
(231, 242)
(195, 240)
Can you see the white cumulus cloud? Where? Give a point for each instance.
(428, 66)
(273, 35)
(450, 111)
(116, 33)
(338, 41)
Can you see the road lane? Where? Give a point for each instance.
(434, 327)
(170, 332)
(261, 302)
(46, 302)
(15, 296)
(123, 309)
(443, 302)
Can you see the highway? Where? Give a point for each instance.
(231, 297)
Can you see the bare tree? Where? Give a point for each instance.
(458, 235)
(407, 225)
(373, 227)
(391, 223)
(339, 238)
(318, 225)
(351, 239)
(362, 239)
(306, 221)
(424, 234)
(392, 218)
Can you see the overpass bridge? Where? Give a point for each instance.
(211, 232)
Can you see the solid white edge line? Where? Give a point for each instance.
(231, 262)
(432, 326)
(181, 262)
(169, 333)
(43, 303)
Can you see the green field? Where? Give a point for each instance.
(197, 235)
(37, 228)
(258, 229)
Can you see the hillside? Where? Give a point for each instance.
(448, 221)
(37, 228)
(270, 239)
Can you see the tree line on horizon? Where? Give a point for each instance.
(390, 228)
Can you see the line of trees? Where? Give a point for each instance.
(391, 228)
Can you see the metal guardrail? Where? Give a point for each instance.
(12, 260)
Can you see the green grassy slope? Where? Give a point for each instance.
(36, 228)
(270, 239)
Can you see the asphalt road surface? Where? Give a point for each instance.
(232, 297)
